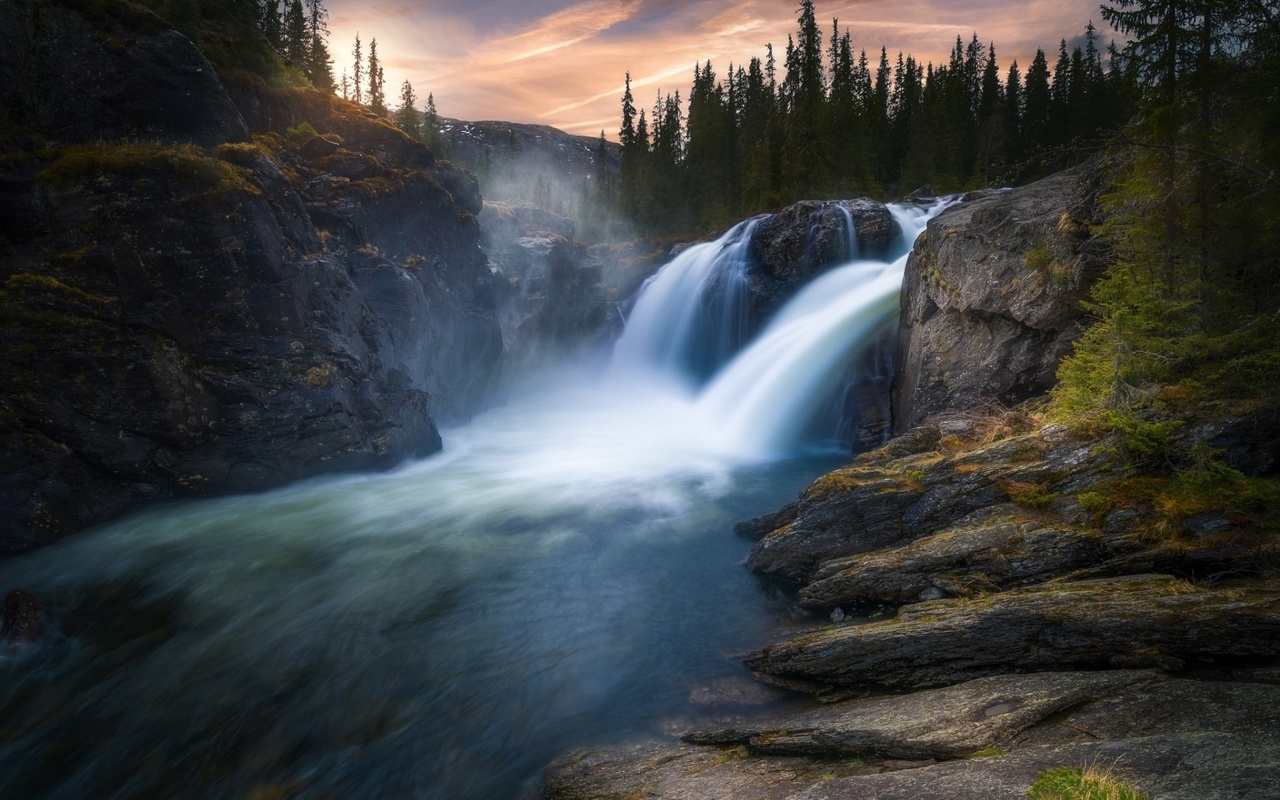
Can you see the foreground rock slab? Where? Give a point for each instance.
(995, 548)
(1175, 739)
(1137, 621)
(937, 724)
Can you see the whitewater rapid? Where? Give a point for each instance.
(562, 573)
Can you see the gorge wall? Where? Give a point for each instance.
(196, 303)
(992, 297)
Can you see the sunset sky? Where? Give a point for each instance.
(561, 63)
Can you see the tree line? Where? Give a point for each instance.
(1193, 298)
(830, 122)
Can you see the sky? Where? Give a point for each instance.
(562, 63)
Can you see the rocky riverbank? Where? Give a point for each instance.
(1047, 615)
(997, 593)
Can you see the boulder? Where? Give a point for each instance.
(805, 239)
(991, 300)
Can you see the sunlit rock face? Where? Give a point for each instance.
(190, 313)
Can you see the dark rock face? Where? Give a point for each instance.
(991, 299)
(551, 299)
(805, 239)
(23, 619)
(184, 320)
(123, 75)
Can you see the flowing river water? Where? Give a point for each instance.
(563, 573)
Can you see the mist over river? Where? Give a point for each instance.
(565, 572)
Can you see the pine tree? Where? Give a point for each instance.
(431, 124)
(1037, 104)
(1011, 116)
(357, 69)
(627, 133)
(377, 99)
(319, 64)
(295, 35)
(269, 22)
(406, 117)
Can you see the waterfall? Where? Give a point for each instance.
(760, 400)
(852, 229)
(558, 574)
(691, 317)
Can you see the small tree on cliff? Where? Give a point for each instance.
(357, 69)
(377, 99)
(319, 64)
(406, 117)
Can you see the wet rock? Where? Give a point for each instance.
(23, 619)
(992, 297)
(1136, 621)
(735, 690)
(551, 298)
(762, 526)
(938, 724)
(886, 499)
(994, 548)
(805, 239)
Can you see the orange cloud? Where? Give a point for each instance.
(562, 63)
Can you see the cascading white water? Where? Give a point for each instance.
(765, 398)
(759, 404)
(690, 318)
(443, 630)
(852, 230)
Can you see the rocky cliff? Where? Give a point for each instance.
(195, 302)
(553, 302)
(992, 297)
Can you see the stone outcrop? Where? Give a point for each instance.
(994, 548)
(198, 314)
(1029, 634)
(893, 496)
(953, 722)
(992, 297)
(551, 298)
(795, 245)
